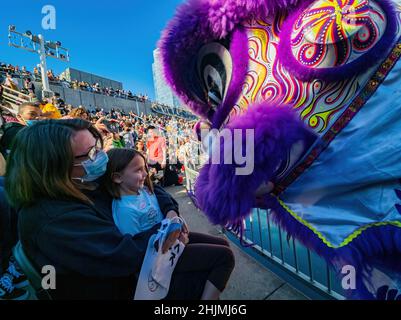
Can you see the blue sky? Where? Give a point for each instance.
(114, 39)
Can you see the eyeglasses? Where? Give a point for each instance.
(91, 155)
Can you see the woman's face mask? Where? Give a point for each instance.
(95, 168)
(30, 122)
(29, 116)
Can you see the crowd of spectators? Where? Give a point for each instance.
(166, 144)
(16, 72)
(177, 112)
(10, 74)
(176, 130)
(95, 241)
(136, 131)
(91, 181)
(130, 130)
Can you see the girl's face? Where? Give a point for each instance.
(132, 178)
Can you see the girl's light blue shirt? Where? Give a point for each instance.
(134, 214)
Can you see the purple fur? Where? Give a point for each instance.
(372, 57)
(198, 22)
(225, 197)
(180, 41)
(224, 15)
(197, 129)
(191, 195)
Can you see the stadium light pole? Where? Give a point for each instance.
(37, 44)
(43, 65)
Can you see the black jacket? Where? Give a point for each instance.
(93, 260)
(10, 130)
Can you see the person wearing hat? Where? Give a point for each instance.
(50, 111)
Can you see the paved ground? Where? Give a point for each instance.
(249, 280)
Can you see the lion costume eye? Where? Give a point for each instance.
(332, 39)
(214, 67)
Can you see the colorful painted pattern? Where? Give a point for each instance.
(318, 103)
(332, 33)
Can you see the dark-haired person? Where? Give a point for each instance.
(28, 112)
(206, 262)
(129, 134)
(140, 147)
(65, 219)
(29, 86)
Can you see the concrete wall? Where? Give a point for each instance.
(74, 74)
(92, 100)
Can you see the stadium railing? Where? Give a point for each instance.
(14, 97)
(290, 260)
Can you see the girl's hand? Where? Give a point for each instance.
(101, 127)
(184, 238)
(172, 237)
(171, 214)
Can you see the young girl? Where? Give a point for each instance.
(206, 263)
(135, 208)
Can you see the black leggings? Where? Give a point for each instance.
(204, 258)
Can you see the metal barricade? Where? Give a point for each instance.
(289, 259)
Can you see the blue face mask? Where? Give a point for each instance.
(30, 122)
(96, 168)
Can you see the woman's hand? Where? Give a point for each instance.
(101, 127)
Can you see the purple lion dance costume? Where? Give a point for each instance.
(319, 84)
